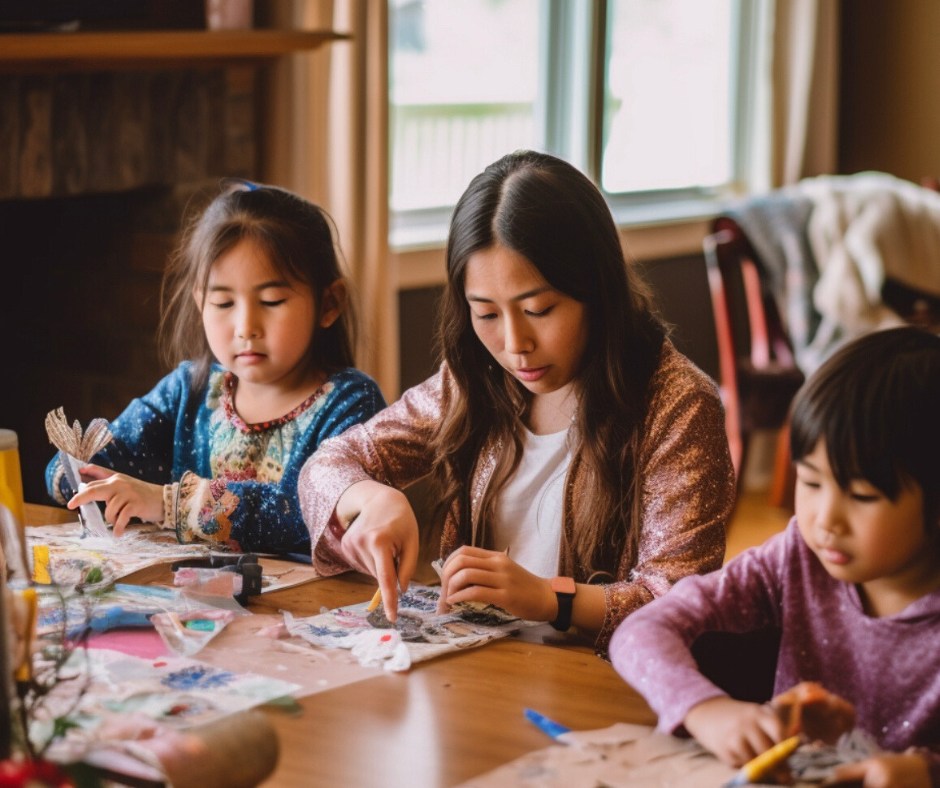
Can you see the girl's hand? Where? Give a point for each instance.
(124, 496)
(734, 730)
(890, 770)
(810, 709)
(382, 537)
(472, 574)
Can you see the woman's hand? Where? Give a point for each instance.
(890, 770)
(381, 538)
(734, 730)
(472, 574)
(124, 496)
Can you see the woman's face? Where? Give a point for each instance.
(536, 333)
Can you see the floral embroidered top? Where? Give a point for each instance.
(687, 483)
(225, 480)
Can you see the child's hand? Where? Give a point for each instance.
(124, 496)
(810, 709)
(382, 537)
(734, 730)
(472, 574)
(891, 770)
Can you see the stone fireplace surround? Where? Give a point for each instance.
(101, 154)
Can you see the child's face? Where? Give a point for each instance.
(258, 325)
(536, 333)
(862, 537)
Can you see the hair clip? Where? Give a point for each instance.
(241, 185)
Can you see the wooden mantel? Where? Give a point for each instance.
(109, 111)
(163, 48)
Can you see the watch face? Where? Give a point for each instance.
(563, 585)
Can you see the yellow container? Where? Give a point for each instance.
(11, 479)
(12, 558)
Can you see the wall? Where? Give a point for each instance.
(97, 169)
(890, 83)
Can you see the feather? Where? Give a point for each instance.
(70, 439)
(97, 436)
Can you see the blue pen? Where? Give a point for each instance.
(543, 723)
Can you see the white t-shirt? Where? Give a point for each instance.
(529, 510)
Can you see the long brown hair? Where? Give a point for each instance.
(549, 212)
(299, 241)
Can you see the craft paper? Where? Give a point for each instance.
(186, 634)
(424, 633)
(635, 756)
(174, 691)
(90, 517)
(68, 555)
(260, 643)
(69, 612)
(75, 450)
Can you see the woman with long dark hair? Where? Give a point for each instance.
(580, 459)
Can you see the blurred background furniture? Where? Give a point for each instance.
(758, 375)
(796, 272)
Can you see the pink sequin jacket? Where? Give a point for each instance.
(688, 484)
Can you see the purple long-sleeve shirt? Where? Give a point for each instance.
(888, 667)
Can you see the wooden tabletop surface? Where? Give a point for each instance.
(445, 720)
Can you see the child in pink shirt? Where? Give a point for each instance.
(853, 584)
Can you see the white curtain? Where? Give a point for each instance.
(804, 88)
(326, 137)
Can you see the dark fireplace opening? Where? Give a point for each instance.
(97, 170)
(80, 309)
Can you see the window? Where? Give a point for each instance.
(646, 96)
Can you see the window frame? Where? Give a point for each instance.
(574, 38)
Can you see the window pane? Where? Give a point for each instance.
(668, 114)
(464, 90)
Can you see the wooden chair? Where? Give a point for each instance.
(758, 375)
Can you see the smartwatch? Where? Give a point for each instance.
(564, 589)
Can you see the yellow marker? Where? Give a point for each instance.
(24, 670)
(376, 600)
(41, 564)
(758, 768)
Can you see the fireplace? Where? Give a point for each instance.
(96, 171)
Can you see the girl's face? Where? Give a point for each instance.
(535, 332)
(862, 537)
(258, 324)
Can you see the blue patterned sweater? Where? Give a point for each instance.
(228, 481)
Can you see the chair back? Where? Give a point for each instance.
(758, 372)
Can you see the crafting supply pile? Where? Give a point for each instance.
(419, 633)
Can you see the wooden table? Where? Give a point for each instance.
(445, 720)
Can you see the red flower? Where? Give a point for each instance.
(33, 774)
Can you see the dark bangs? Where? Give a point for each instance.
(876, 404)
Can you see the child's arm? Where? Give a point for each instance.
(652, 648)
(143, 441)
(735, 731)
(124, 496)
